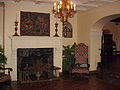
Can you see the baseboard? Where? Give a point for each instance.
(93, 72)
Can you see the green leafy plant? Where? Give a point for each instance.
(3, 58)
(68, 57)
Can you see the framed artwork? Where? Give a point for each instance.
(67, 30)
(34, 24)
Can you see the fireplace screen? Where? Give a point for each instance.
(34, 64)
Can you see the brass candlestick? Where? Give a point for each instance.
(56, 30)
(16, 28)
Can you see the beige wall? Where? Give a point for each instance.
(90, 25)
(11, 10)
(1, 25)
(85, 28)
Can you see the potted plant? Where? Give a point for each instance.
(3, 58)
(68, 58)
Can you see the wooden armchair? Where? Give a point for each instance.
(81, 66)
(5, 79)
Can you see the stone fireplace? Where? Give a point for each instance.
(35, 44)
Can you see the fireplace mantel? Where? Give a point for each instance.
(34, 38)
(35, 42)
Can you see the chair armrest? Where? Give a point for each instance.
(88, 66)
(83, 65)
(76, 65)
(9, 69)
(6, 69)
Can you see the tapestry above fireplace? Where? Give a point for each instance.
(34, 24)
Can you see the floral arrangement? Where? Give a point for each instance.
(39, 66)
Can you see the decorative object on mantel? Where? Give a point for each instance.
(34, 24)
(56, 30)
(16, 28)
(64, 10)
(67, 30)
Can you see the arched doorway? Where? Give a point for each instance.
(95, 39)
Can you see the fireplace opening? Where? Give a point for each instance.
(34, 64)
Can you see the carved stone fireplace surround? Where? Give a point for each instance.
(35, 42)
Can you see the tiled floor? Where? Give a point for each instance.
(94, 83)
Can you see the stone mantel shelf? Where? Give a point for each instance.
(35, 38)
(35, 41)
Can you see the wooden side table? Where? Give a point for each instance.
(55, 69)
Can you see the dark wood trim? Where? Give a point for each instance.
(93, 72)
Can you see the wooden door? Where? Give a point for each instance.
(107, 50)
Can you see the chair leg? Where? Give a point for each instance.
(5, 85)
(10, 86)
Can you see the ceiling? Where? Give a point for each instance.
(82, 5)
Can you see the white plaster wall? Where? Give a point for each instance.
(95, 38)
(11, 10)
(86, 23)
(1, 25)
(10, 16)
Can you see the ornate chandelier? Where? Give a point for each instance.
(64, 10)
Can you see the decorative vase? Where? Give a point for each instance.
(38, 74)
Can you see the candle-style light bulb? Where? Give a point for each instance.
(58, 8)
(71, 5)
(60, 4)
(68, 7)
(74, 6)
(54, 6)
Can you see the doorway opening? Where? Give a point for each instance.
(109, 59)
(110, 45)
